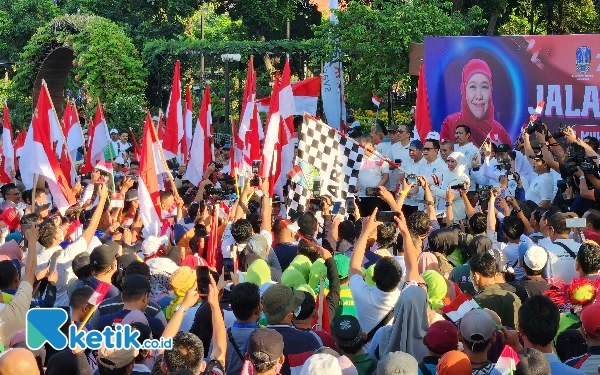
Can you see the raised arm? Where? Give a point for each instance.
(428, 197)
(361, 246)
(515, 205)
(449, 212)
(410, 252)
(265, 207)
(33, 234)
(88, 234)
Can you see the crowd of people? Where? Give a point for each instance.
(355, 288)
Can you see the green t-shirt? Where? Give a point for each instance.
(346, 306)
(363, 363)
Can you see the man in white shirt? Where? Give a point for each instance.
(415, 166)
(398, 151)
(541, 189)
(435, 167)
(51, 235)
(122, 145)
(114, 141)
(562, 250)
(373, 172)
(466, 147)
(446, 148)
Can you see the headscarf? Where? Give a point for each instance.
(181, 280)
(454, 363)
(459, 174)
(302, 264)
(258, 273)
(428, 261)
(11, 250)
(292, 278)
(475, 66)
(410, 325)
(436, 288)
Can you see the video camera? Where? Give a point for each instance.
(540, 127)
(219, 194)
(484, 193)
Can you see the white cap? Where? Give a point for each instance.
(114, 131)
(119, 160)
(535, 258)
(321, 364)
(433, 135)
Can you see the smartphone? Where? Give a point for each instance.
(203, 279)
(372, 191)
(228, 269)
(336, 208)
(412, 179)
(576, 223)
(386, 216)
(316, 205)
(350, 205)
(316, 188)
(255, 166)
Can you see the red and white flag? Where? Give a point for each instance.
(40, 159)
(117, 200)
(72, 129)
(66, 166)
(247, 122)
(271, 132)
(160, 130)
(461, 305)
(201, 152)
(100, 293)
(98, 138)
(8, 152)
(19, 143)
(148, 192)
(174, 130)
(494, 134)
(186, 140)
(375, 99)
(136, 147)
(306, 95)
(507, 363)
(540, 107)
(286, 131)
(422, 114)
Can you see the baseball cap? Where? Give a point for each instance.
(393, 128)
(308, 305)
(321, 364)
(433, 135)
(477, 326)
(265, 345)
(346, 330)
(114, 131)
(226, 146)
(503, 147)
(103, 256)
(11, 218)
(355, 124)
(136, 283)
(116, 358)
(535, 258)
(279, 300)
(276, 199)
(131, 195)
(415, 145)
(441, 337)
(590, 319)
(119, 160)
(343, 265)
(80, 261)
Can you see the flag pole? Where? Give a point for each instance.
(33, 193)
(87, 318)
(165, 162)
(110, 150)
(59, 127)
(232, 156)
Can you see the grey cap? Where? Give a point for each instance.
(257, 244)
(397, 363)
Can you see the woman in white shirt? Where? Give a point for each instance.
(456, 175)
(541, 189)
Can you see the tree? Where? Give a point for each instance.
(375, 39)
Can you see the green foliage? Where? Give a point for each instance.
(106, 66)
(375, 39)
(264, 19)
(19, 19)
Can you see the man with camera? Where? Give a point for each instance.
(373, 172)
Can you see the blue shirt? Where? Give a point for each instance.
(285, 252)
(430, 362)
(155, 324)
(559, 368)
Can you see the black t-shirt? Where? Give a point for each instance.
(529, 287)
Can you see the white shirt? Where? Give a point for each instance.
(227, 241)
(437, 167)
(372, 304)
(468, 150)
(397, 152)
(384, 148)
(410, 167)
(511, 252)
(63, 267)
(562, 263)
(541, 188)
(121, 147)
(371, 172)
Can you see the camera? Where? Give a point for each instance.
(560, 132)
(219, 194)
(316, 187)
(372, 192)
(536, 126)
(316, 204)
(484, 193)
(412, 179)
(461, 186)
(255, 181)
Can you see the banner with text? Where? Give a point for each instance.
(483, 82)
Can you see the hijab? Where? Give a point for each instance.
(11, 250)
(454, 363)
(475, 66)
(428, 261)
(181, 280)
(459, 174)
(410, 325)
(437, 288)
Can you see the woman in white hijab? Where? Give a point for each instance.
(456, 175)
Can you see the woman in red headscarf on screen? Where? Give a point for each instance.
(477, 109)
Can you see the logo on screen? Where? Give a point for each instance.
(584, 59)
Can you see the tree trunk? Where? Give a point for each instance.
(492, 23)
(457, 5)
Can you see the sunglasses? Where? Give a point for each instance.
(427, 148)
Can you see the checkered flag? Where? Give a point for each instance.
(323, 152)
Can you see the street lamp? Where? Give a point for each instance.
(228, 58)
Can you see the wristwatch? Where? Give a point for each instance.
(179, 307)
(448, 204)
